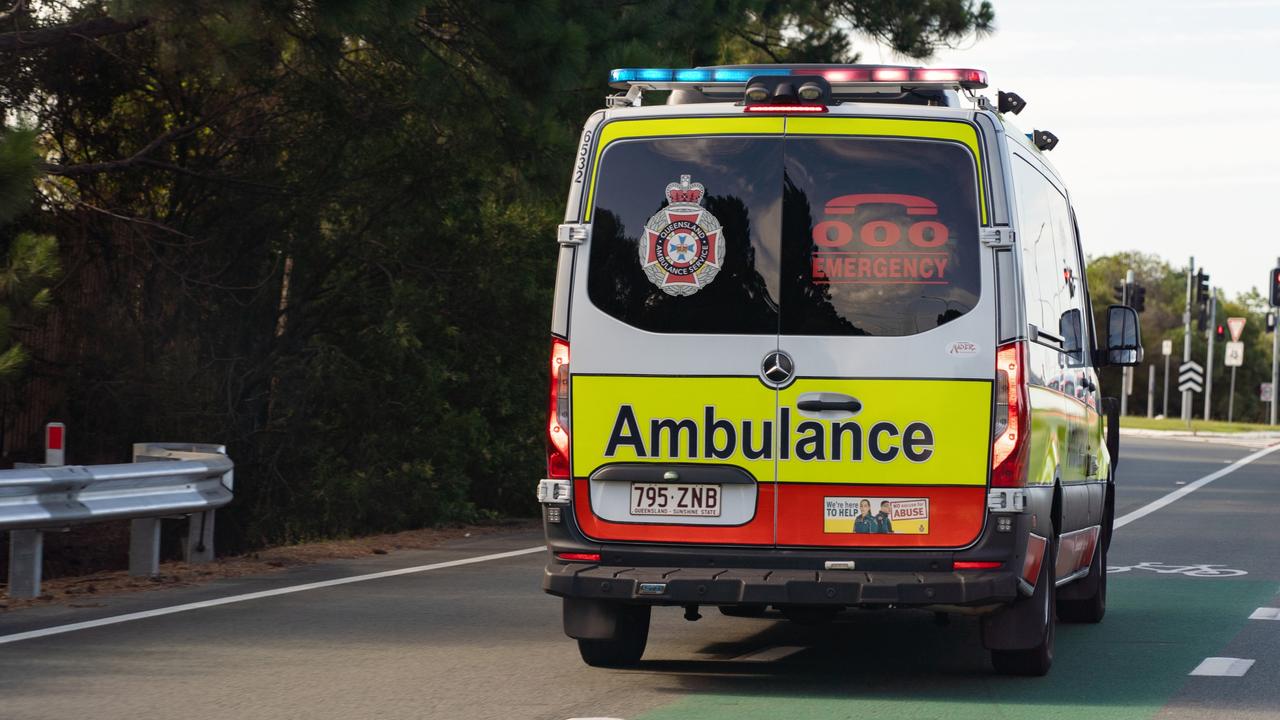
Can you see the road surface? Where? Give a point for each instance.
(480, 640)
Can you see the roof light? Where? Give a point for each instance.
(964, 77)
(745, 74)
(849, 75)
(785, 108)
(890, 74)
(693, 75)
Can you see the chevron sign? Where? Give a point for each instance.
(1191, 377)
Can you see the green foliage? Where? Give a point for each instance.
(30, 261)
(322, 232)
(1165, 303)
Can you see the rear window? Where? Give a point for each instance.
(880, 236)
(803, 236)
(685, 235)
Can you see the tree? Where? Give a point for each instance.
(322, 232)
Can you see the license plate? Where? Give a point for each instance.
(675, 499)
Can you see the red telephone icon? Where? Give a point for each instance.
(915, 205)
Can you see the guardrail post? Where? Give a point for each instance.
(144, 547)
(26, 563)
(199, 546)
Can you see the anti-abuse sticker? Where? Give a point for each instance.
(876, 515)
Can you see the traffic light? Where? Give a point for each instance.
(1271, 322)
(1220, 331)
(1202, 287)
(1275, 287)
(1138, 298)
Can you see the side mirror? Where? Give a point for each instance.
(1069, 331)
(1124, 338)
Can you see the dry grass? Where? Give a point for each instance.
(84, 590)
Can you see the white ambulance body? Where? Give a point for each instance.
(822, 340)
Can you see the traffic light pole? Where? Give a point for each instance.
(1186, 342)
(1275, 367)
(1126, 373)
(1208, 363)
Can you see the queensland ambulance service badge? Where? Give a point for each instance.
(683, 244)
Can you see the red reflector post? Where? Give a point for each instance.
(578, 557)
(975, 565)
(55, 438)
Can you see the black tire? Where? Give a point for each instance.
(1092, 608)
(1035, 661)
(627, 645)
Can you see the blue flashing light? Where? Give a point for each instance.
(745, 74)
(693, 75)
(640, 74)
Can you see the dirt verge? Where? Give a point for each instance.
(85, 590)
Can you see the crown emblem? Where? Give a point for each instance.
(685, 191)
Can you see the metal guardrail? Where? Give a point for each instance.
(165, 480)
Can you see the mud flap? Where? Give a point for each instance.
(586, 619)
(1021, 625)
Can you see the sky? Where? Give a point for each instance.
(1168, 119)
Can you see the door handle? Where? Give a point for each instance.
(820, 405)
(828, 402)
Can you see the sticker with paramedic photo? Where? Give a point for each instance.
(683, 245)
(881, 238)
(876, 516)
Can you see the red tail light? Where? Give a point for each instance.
(558, 412)
(1011, 440)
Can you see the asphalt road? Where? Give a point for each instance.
(480, 640)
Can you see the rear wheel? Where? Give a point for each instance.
(1091, 607)
(626, 646)
(1038, 612)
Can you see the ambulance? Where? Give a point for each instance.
(821, 342)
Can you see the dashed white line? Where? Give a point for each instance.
(130, 617)
(1151, 507)
(770, 654)
(1222, 667)
(1267, 613)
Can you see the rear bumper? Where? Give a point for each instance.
(712, 586)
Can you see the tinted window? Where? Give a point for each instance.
(1051, 272)
(685, 234)
(880, 237)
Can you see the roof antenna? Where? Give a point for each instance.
(1010, 102)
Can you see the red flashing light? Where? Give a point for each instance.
(558, 412)
(890, 74)
(578, 557)
(762, 108)
(1011, 445)
(975, 565)
(846, 75)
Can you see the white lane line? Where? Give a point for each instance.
(770, 654)
(1149, 508)
(1267, 613)
(1222, 667)
(130, 617)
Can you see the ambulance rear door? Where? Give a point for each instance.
(887, 319)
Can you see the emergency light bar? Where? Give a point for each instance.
(839, 76)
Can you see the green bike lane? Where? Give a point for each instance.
(1135, 664)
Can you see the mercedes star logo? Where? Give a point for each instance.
(777, 368)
